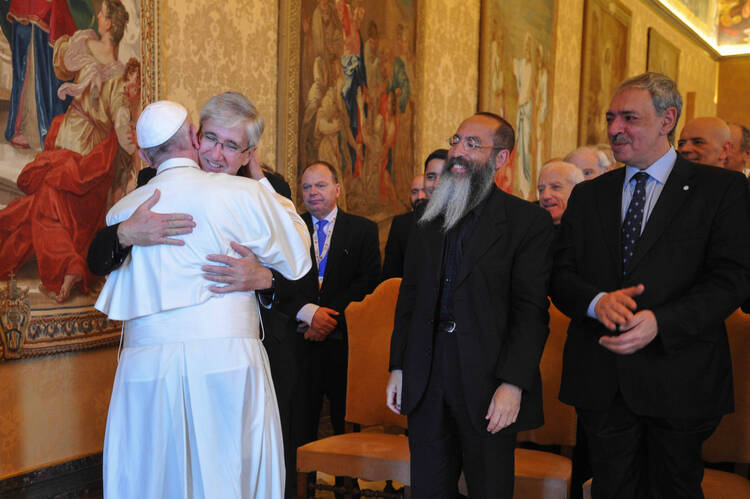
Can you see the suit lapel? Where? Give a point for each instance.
(308, 221)
(671, 199)
(609, 207)
(489, 228)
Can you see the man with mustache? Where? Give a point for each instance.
(650, 260)
(471, 321)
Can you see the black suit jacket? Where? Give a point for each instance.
(352, 269)
(694, 260)
(395, 248)
(500, 307)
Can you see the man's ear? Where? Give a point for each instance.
(194, 137)
(669, 120)
(726, 150)
(501, 158)
(144, 158)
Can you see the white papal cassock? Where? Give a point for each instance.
(193, 412)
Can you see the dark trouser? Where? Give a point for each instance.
(443, 440)
(641, 457)
(287, 359)
(327, 377)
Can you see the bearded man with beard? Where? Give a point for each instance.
(471, 321)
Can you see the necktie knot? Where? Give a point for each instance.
(641, 178)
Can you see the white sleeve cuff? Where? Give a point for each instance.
(592, 306)
(306, 313)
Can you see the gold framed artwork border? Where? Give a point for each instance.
(287, 105)
(26, 332)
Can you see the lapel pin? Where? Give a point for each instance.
(685, 187)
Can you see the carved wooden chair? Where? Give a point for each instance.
(373, 456)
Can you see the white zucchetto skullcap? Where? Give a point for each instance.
(158, 122)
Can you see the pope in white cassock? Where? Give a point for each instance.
(193, 411)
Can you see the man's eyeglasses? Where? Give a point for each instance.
(470, 143)
(228, 147)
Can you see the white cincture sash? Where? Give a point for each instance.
(229, 316)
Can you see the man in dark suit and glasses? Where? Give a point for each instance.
(651, 259)
(471, 321)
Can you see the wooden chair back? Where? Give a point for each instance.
(731, 440)
(559, 419)
(370, 324)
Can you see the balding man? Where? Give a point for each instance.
(398, 236)
(705, 140)
(471, 321)
(739, 157)
(556, 182)
(590, 160)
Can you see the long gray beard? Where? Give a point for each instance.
(455, 196)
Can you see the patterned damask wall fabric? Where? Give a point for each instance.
(449, 48)
(233, 45)
(210, 47)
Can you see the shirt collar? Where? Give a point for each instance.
(328, 217)
(174, 163)
(659, 170)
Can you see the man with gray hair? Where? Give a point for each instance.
(590, 160)
(230, 131)
(739, 157)
(556, 181)
(193, 380)
(648, 265)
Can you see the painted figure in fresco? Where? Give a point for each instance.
(352, 62)
(67, 184)
(734, 22)
(372, 59)
(125, 164)
(496, 70)
(522, 71)
(32, 29)
(540, 107)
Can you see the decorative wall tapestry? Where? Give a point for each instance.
(606, 29)
(80, 70)
(517, 55)
(349, 68)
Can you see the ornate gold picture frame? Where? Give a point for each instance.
(33, 324)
